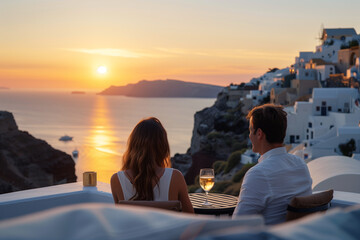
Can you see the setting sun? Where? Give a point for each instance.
(102, 70)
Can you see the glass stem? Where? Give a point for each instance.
(206, 197)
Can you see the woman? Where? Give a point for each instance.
(144, 175)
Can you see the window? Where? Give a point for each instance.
(310, 125)
(307, 137)
(320, 123)
(317, 108)
(297, 137)
(323, 103)
(329, 108)
(312, 134)
(307, 130)
(339, 109)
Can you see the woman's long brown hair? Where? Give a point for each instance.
(148, 148)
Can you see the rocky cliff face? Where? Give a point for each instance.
(27, 162)
(218, 131)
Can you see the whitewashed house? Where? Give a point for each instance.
(324, 72)
(302, 59)
(330, 118)
(306, 74)
(332, 40)
(249, 157)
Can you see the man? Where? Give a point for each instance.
(269, 186)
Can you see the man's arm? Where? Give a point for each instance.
(253, 195)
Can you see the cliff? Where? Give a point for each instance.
(164, 88)
(27, 162)
(218, 132)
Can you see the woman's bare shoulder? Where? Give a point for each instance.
(114, 178)
(177, 173)
(177, 177)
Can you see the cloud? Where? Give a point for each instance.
(108, 52)
(115, 52)
(230, 53)
(179, 52)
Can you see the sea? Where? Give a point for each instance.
(100, 125)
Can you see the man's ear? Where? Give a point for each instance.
(260, 133)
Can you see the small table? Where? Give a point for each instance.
(221, 203)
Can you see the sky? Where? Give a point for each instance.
(60, 44)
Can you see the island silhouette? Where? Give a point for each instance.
(165, 88)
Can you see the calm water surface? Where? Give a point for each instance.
(100, 125)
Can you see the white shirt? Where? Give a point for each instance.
(269, 186)
(161, 190)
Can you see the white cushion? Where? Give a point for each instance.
(106, 221)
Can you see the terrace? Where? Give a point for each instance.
(72, 211)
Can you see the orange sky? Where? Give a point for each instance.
(60, 44)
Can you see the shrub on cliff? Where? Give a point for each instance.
(239, 175)
(219, 166)
(219, 187)
(195, 186)
(233, 160)
(348, 148)
(233, 189)
(236, 146)
(214, 135)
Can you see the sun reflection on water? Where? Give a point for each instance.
(104, 156)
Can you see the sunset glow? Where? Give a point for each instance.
(102, 70)
(63, 44)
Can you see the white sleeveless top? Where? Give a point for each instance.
(161, 190)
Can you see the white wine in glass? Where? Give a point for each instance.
(207, 182)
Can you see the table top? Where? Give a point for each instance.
(221, 203)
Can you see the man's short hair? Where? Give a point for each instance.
(271, 119)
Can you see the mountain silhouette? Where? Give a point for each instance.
(165, 88)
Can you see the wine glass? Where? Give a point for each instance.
(206, 182)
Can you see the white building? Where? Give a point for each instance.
(302, 59)
(330, 118)
(257, 96)
(272, 79)
(324, 71)
(306, 74)
(297, 118)
(354, 71)
(249, 157)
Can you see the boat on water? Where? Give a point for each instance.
(65, 138)
(75, 153)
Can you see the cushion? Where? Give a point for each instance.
(338, 223)
(305, 205)
(107, 221)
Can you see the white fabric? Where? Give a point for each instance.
(161, 190)
(335, 224)
(107, 221)
(269, 186)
